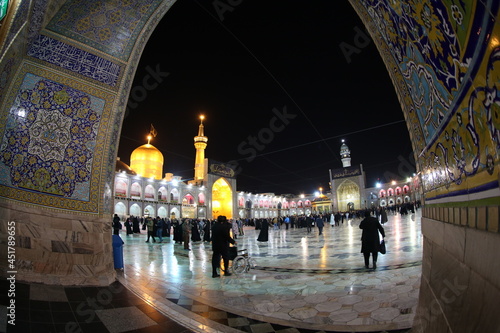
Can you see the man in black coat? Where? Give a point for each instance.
(370, 241)
(220, 245)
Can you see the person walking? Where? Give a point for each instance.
(150, 227)
(135, 225)
(264, 231)
(309, 221)
(370, 240)
(383, 216)
(160, 224)
(177, 231)
(220, 246)
(186, 229)
(128, 226)
(320, 223)
(207, 227)
(195, 232)
(117, 225)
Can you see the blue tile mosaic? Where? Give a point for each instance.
(111, 27)
(48, 139)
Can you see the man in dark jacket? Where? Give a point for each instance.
(320, 224)
(220, 245)
(370, 241)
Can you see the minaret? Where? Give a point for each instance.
(200, 143)
(345, 155)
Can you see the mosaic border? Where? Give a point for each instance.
(75, 60)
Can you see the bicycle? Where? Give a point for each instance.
(243, 262)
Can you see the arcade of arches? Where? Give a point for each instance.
(443, 58)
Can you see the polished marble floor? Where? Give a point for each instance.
(303, 281)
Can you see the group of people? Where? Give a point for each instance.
(219, 231)
(371, 230)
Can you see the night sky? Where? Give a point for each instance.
(277, 90)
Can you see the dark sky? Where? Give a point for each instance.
(263, 56)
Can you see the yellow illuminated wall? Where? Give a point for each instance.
(348, 192)
(222, 199)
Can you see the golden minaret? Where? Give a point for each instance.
(200, 143)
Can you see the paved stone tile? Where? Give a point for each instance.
(299, 278)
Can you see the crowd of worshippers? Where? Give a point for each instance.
(183, 230)
(197, 230)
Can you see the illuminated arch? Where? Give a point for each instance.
(175, 213)
(149, 192)
(222, 199)
(348, 195)
(174, 196)
(135, 190)
(162, 194)
(135, 210)
(162, 212)
(201, 199)
(121, 210)
(121, 188)
(149, 211)
(188, 200)
(398, 190)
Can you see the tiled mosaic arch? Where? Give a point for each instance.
(443, 59)
(68, 65)
(441, 55)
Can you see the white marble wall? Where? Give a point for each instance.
(56, 248)
(460, 285)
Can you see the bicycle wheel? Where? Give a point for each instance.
(251, 263)
(239, 265)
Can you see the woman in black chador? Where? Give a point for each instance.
(177, 231)
(264, 231)
(135, 225)
(128, 225)
(207, 227)
(370, 240)
(195, 233)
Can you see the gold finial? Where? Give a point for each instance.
(149, 138)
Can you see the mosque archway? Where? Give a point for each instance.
(442, 58)
(175, 213)
(135, 210)
(121, 188)
(121, 211)
(149, 211)
(222, 199)
(162, 212)
(348, 196)
(188, 207)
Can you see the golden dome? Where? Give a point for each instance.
(123, 167)
(147, 161)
